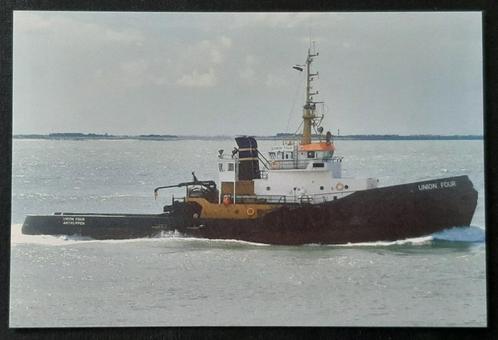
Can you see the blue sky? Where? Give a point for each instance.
(231, 73)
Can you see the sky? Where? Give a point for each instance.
(231, 73)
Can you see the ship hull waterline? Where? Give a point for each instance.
(382, 214)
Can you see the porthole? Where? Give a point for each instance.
(321, 187)
(268, 188)
(346, 186)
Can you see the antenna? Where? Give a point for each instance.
(309, 31)
(309, 115)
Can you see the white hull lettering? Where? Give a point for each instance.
(428, 186)
(73, 220)
(440, 185)
(449, 184)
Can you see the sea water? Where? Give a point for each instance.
(170, 280)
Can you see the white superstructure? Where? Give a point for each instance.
(293, 171)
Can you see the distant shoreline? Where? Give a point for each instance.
(280, 136)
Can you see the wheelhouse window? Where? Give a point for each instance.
(311, 154)
(220, 167)
(231, 167)
(328, 154)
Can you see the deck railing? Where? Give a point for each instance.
(292, 199)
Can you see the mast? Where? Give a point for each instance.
(310, 105)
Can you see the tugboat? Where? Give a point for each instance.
(296, 195)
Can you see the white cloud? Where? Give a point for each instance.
(276, 20)
(196, 79)
(70, 28)
(127, 36)
(204, 55)
(286, 20)
(100, 56)
(208, 52)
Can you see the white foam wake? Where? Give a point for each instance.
(461, 234)
(409, 241)
(17, 237)
(455, 234)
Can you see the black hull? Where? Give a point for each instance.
(99, 226)
(383, 214)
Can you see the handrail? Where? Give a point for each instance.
(289, 164)
(302, 199)
(265, 162)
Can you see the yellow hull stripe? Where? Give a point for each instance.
(238, 211)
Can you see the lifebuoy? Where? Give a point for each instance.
(339, 186)
(250, 211)
(227, 200)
